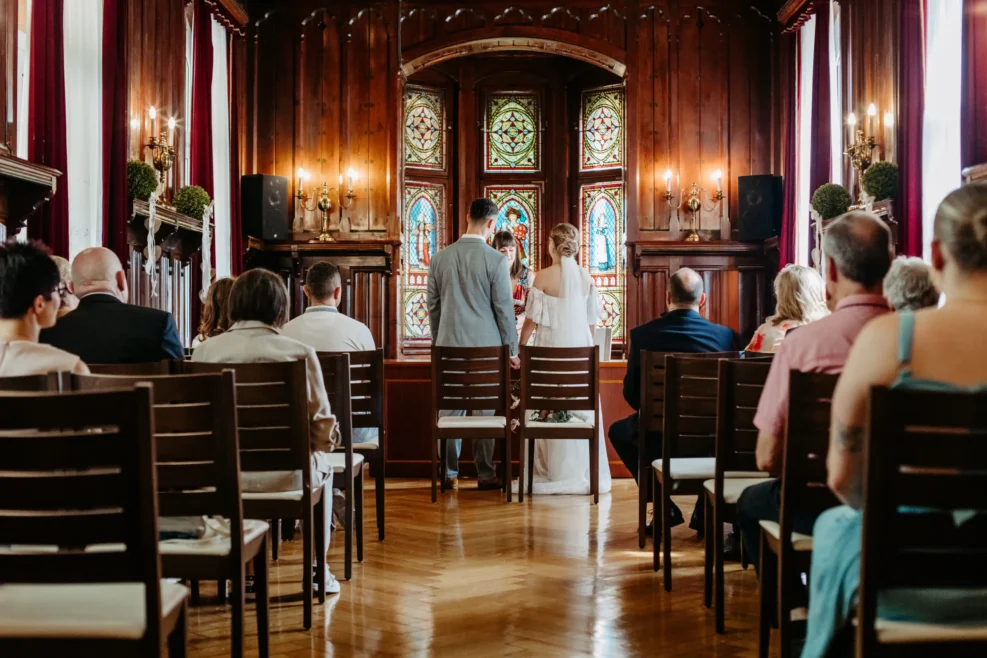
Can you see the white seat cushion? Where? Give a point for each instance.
(216, 541)
(338, 461)
(904, 632)
(689, 468)
(110, 611)
(732, 487)
(474, 422)
(799, 541)
(365, 447)
(573, 424)
(272, 495)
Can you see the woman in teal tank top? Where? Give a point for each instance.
(941, 349)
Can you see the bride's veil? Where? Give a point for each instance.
(570, 328)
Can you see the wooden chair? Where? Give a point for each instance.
(345, 464)
(154, 368)
(785, 553)
(273, 427)
(560, 379)
(471, 379)
(740, 383)
(198, 469)
(650, 418)
(367, 407)
(52, 382)
(924, 450)
(65, 487)
(688, 442)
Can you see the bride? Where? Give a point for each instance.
(562, 311)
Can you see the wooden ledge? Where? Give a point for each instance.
(24, 187)
(178, 236)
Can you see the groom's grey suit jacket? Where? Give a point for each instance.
(470, 303)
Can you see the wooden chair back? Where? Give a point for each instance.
(52, 382)
(803, 479)
(925, 474)
(272, 414)
(740, 383)
(652, 409)
(471, 379)
(197, 461)
(95, 454)
(366, 389)
(689, 423)
(154, 368)
(336, 370)
(560, 378)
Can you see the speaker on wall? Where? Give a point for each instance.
(760, 200)
(264, 206)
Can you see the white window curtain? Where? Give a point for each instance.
(836, 94)
(187, 151)
(941, 157)
(23, 78)
(84, 122)
(802, 223)
(221, 149)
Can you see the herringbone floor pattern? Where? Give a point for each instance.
(472, 576)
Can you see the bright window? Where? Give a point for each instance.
(513, 138)
(802, 225)
(422, 226)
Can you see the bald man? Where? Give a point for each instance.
(105, 328)
(680, 329)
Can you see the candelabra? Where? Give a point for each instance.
(861, 151)
(693, 201)
(162, 146)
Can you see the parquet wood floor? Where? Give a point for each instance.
(472, 576)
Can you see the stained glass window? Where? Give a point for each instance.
(422, 230)
(602, 253)
(602, 144)
(513, 138)
(520, 212)
(424, 136)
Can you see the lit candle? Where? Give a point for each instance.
(668, 180)
(171, 131)
(152, 114)
(718, 175)
(871, 118)
(889, 136)
(851, 123)
(351, 176)
(301, 179)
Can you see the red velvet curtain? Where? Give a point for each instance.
(116, 210)
(201, 170)
(789, 73)
(236, 226)
(820, 169)
(974, 107)
(46, 121)
(911, 118)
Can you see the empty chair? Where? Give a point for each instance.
(65, 487)
(198, 469)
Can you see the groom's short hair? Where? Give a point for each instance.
(685, 287)
(322, 280)
(482, 210)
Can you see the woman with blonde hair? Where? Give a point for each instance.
(801, 295)
(215, 312)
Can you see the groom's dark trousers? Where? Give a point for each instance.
(682, 330)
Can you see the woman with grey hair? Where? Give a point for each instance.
(908, 285)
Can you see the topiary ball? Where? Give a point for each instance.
(142, 180)
(831, 200)
(880, 180)
(191, 200)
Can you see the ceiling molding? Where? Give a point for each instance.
(790, 9)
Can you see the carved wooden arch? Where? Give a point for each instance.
(416, 59)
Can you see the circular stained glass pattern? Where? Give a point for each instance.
(603, 131)
(423, 134)
(416, 315)
(610, 310)
(512, 140)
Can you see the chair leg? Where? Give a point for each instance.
(531, 467)
(307, 552)
(348, 531)
(435, 465)
(178, 640)
(261, 587)
(659, 524)
(643, 486)
(442, 466)
(594, 467)
(358, 521)
(194, 592)
(768, 593)
(238, 603)
(718, 574)
(379, 491)
(666, 536)
(275, 538)
(520, 469)
(708, 561)
(319, 519)
(508, 467)
(221, 591)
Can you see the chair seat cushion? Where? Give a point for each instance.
(495, 422)
(905, 632)
(732, 487)
(572, 424)
(338, 461)
(799, 541)
(365, 447)
(272, 495)
(107, 611)
(689, 468)
(216, 541)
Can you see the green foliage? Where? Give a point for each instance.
(880, 180)
(191, 200)
(142, 180)
(831, 200)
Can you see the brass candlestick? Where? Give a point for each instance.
(861, 152)
(162, 155)
(325, 206)
(693, 202)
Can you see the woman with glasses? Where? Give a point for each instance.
(30, 298)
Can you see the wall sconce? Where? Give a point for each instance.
(350, 195)
(322, 203)
(163, 146)
(861, 147)
(693, 200)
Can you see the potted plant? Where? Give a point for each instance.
(191, 200)
(880, 181)
(831, 200)
(142, 180)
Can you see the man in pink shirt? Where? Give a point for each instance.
(857, 249)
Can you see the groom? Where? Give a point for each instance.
(470, 305)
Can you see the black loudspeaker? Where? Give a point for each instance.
(264, 205)
(760, 202)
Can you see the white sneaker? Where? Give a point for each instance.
(332, 585)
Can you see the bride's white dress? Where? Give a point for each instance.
(561, 466)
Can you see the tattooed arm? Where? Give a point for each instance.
(848, 441)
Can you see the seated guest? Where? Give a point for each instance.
(801, 296)
(325, 329)
(908, 285)
(680, 329)
(69, 301)
(215, 312)
(30, 296)
(857, 247)
(258, 308)
(105, 328)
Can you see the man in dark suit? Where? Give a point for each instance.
(105, 328)
(680, 329)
